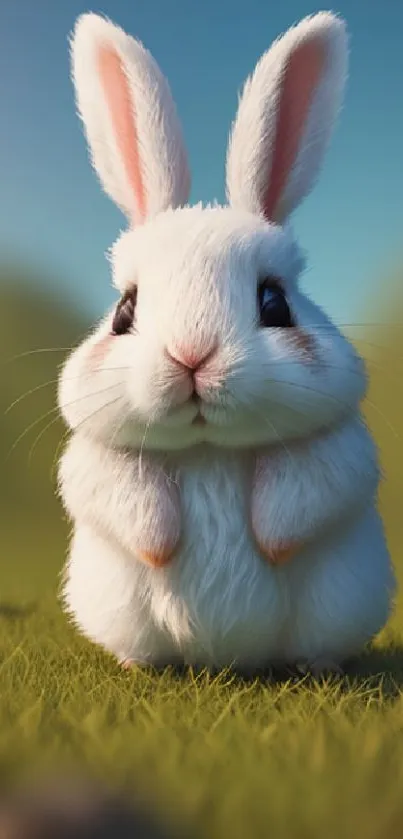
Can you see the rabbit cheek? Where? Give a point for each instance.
(303, 343)
(99, 351)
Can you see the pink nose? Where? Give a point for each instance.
(190, 359)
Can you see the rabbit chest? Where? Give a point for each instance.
(218, 596)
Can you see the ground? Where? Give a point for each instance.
(264, 758)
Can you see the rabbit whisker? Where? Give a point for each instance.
(353, 325)
(82, 422)
(368, 361)
(340, 401)
(140, 458)
(56, 380)
(53, 421)
(372, 344)
(38, 350)
(279, 438)
(57, 410)
(55, 459)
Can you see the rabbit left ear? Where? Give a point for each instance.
(285, 118)
(130, 120)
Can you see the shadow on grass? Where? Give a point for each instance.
(376, 668)
(14, 612)
(387, 663)
(381, 668)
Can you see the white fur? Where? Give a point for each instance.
(197, 271)
(219, 603)
(284, 451)
(314, 484)
(251, 144)
(162, 153)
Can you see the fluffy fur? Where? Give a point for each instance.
(183, 508)
(160, 152)
(285, 117)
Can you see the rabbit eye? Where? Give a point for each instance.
(273, 307)
(124, 314)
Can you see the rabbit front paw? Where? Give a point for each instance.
(159, 523)
(158, 559)
(277, 553)
(273, 530)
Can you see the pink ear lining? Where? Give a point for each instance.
(301, 76)
(122, 111)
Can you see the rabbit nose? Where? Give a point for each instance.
(189, 358)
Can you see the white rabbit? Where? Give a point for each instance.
(220, 477)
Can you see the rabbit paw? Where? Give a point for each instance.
(275, 548)
(160, 523)
(157, 559)
(277, 553)
(129, 663)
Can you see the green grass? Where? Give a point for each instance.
(230, 758)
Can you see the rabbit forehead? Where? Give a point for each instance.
(182, 245)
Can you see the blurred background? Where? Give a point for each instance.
(56, 224)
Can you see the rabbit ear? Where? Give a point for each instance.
(285, 118)
(129, 118)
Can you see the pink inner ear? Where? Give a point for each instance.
(122, 110)
(301, 77)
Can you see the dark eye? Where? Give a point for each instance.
(124, 314)
(273, 307)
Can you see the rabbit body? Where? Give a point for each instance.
(216, 410)
(219, 603)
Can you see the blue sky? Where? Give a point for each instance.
(52, 211)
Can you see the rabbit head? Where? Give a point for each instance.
(211, 340)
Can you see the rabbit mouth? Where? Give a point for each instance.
(199, 419)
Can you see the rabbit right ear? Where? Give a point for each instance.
(129, 118)
(285, 118)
